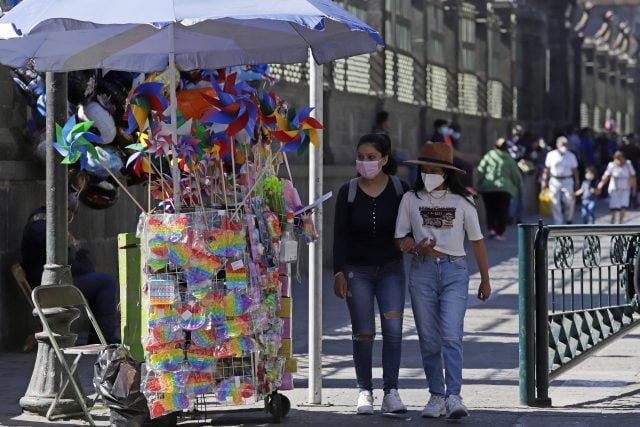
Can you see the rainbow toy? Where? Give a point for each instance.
(167, 359)
(236, 304)
(179, 254)
(162, 314)
(235, 347)
(192, 316)
(200, 358)
(237, 388)
(170, 402)
(162, 291)
(202, 267)
(202, 338)
(158, 248)
(199, 383)
(198, 290)
(225, 243)
(163, 333)
(169, 231)
(232, 328)
(214, 302)
(235, 279)
(165, 382)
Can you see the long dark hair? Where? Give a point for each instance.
(451, 181)
(381, 143)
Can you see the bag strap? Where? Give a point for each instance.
(353, 187)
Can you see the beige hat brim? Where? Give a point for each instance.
(438, 165)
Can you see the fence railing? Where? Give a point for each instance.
(578, 291)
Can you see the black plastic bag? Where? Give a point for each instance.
(116, 377)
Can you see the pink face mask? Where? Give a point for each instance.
(368, 169)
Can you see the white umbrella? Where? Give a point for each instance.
(139, 35)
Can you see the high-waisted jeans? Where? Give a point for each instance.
(387, 285)
(439, 288)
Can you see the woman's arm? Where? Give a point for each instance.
(480, 252)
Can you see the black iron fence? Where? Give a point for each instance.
(579, 287)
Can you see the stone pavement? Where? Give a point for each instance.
(602, 391)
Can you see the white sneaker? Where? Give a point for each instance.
(455, 407)
(434, 408)
(392, 403)
(365, 403)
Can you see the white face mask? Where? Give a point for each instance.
(432, 181)
(368, 169)
(562, 149)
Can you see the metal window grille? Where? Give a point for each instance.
(405, 79)
(494, 99)
(515, 103)
(339, 74)
(389, 73)
(585, 115)
(597, 118)
(468, 93)
(436, 82)
(358, 71)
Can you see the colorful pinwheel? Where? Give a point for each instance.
(235, 108)
(74, 141)
(296, 131)
(142, 101)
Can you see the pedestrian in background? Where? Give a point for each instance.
(368, 266)
(588, 191)
(432, 222)
(382, 125)
(621, 177)
(499, 179)
(561, 176)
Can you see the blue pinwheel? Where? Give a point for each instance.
(74, 142)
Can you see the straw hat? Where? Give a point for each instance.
(436, 154)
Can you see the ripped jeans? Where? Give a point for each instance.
(386, 284)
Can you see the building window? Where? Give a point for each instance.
(437, 87)
(468, 93)
(585, 116)
(398, 24)
(405, 79)
(494, 99)
(467, 38)
(435, 31)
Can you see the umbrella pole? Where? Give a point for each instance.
(315, 248)
(175, 169)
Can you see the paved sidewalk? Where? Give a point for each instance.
(602, 391)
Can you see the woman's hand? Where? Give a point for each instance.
(340, 285)
(484, 291)
(425, 247)
(407, 244)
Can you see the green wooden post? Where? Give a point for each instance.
(132, 309)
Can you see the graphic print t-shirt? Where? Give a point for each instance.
(444, 217)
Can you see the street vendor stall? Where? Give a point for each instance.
(212, 158)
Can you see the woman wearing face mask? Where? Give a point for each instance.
(367, 266)
(621, 177)
(432, 222)
(561, 176)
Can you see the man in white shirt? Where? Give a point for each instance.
(561, 176)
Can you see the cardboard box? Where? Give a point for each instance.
(286, 328)
(291, 365)
(285, 289)
(287, 349)
(286, 309)
(287, 381)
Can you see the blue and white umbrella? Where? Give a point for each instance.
(140, 35)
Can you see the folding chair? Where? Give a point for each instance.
(51, 296)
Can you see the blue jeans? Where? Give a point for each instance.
(386, 284)
(100, 290)
(588, 212)
(439, 287)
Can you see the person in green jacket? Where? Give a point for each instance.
(498, 180)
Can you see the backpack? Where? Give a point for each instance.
(353, 187)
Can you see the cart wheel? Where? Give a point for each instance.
(276, 407)
(286, 405)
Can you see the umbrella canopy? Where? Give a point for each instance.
(135, 35)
